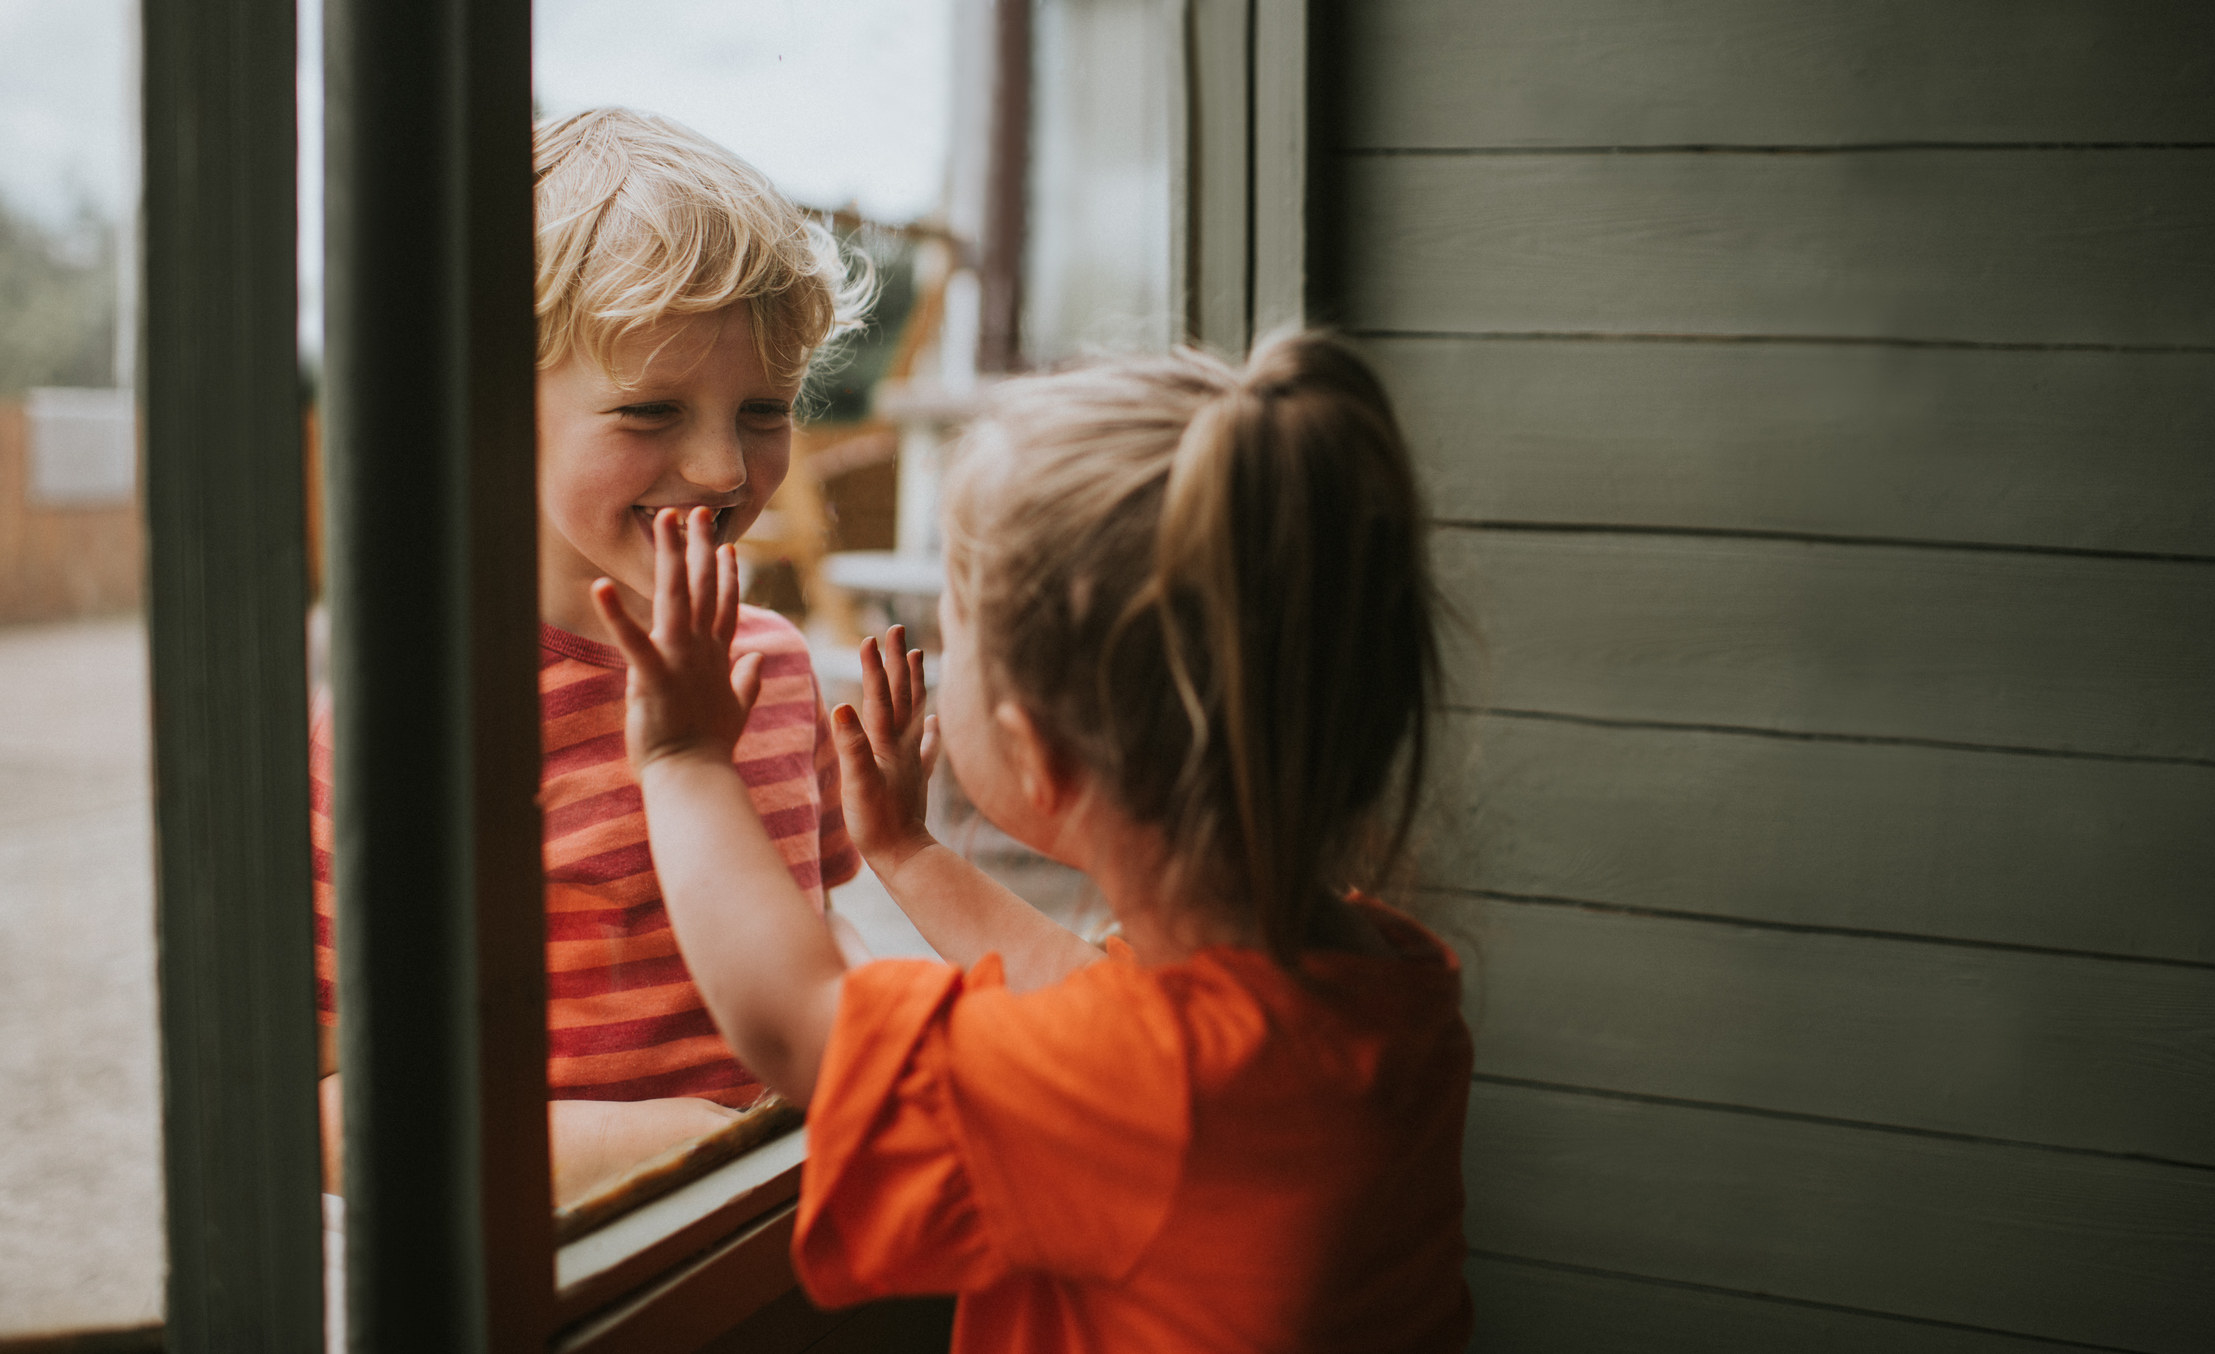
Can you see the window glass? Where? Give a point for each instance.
(81, 1243)
(847, 107)
(1097, 266)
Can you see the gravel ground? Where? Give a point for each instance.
(80, 1146)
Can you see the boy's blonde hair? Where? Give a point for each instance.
(1208, 587)
(641, 219)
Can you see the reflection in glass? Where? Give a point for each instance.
(81, 1243)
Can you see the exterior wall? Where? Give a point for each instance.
(58, 562)
(1817, 401)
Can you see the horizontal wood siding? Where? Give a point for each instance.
(2113, 657)
(2115, 1057)
(2061, 246)
(2069, 1246)
(1435, 73)
(1817, 402)
(2063, 853)
(2069, 450)
(1524, 1307)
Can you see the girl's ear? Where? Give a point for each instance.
(1044, 781)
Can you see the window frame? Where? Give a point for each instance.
(429, 497)
(226, 628)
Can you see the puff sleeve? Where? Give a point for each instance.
(961, 1133)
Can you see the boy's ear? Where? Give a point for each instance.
(1045, 780)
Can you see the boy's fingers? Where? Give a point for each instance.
(669, 602)
(700, 568)
(930, 745)
(636, 647)
(726, 593)
(915, 678)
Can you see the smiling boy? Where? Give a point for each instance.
(680, 298)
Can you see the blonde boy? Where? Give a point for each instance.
(680, 298)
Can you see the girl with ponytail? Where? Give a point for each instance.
(1189, 651)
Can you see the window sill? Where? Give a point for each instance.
(734, 1224)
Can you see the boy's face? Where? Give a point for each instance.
(696, 422)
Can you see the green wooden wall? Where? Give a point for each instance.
(1817, 399)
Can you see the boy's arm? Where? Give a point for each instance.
(885, 755)
(590, 1140)
(763, 961)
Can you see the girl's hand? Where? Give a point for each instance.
(886, 752)
(685, 697)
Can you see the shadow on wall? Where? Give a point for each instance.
(70, 530)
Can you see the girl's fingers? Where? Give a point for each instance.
(637, 648)
(896, 673)
(930, 745)
(856, 763)
(915, 680)
(876, 696)
(699, 538)
(670, 603)
(746, 682)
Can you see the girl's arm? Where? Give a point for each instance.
(886, 753)
(764, 962)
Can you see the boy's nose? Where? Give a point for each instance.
(716, 462)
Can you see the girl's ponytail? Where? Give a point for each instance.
(1209, 586)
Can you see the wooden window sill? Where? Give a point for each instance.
(726, 1234)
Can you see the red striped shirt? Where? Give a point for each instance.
(624, 1021)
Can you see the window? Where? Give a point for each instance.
(425, 433)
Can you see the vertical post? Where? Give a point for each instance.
(1218, 157)
(226, 603)
(434, 623)
(1280, 164)
(1007, 189)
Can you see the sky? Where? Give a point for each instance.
(63, 91)
(840, 102)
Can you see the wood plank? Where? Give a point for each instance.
(2044, 1243)
(2050, 246)
(1812, 72)
(1525, 1307)
(2079, 450)
(2058, 852)
(2042, 651)
(2094, 1054)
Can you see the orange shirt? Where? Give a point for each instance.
(1209, 1155)
(624, 1021)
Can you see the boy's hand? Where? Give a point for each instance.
(685, 697)
(886, 752)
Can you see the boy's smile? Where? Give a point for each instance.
(643, 515)
(690, 419)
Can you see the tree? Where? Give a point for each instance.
(57, 302)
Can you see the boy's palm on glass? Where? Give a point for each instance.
(685, 695)
(886, 752)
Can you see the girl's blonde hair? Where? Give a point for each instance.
(640, 218)
(1208, 587)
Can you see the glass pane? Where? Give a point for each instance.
(1097, 266)
(847, 108)
(81, 1243)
